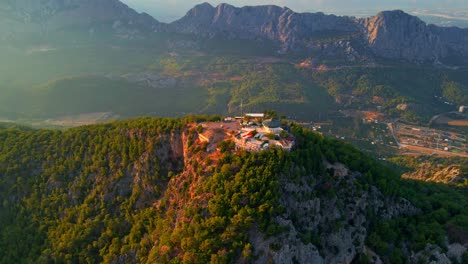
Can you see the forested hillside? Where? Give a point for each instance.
(146, 191)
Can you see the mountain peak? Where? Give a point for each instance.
(279, 24)
(390, 34)
(396, 12)
(202, 6)
(397, 16)
(224, 5)
(396, 34)
(56, 15)
(95, 9)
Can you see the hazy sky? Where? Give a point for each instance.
(167, 10)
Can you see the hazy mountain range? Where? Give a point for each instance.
(389, 34)
(445, 13)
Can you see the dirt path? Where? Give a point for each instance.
(390, 126)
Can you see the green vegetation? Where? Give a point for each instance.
(12, 126)
(431, 165)
(123, 191)
(443, 214)
(67, 195)
(243, 192)
(455, 92)
(88, 94)
(408, 163)
(328, 36)
(210, 76)
(145, 191)
(390, 85)
(85, 195)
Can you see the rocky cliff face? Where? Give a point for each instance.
(395, 34)
(390, 34)
(274, 23)
(339, 213)
(269, 21)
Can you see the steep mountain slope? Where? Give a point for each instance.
(271, 22)
(390, 34)
(395, 34)
(90, 16)
(294, 31)
(146, 191)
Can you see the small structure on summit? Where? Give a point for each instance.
(255, 115)
(260, 135)
(272, 126)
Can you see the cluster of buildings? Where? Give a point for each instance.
(429, 138)
(257, 133)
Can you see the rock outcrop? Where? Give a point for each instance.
(431, 254)
(327, 220)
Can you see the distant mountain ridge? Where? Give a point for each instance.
(396, 34)
(389, 34)
(58, 15)
(271, 22)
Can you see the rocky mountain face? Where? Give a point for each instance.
(292, 30)
(50, 16)
(390, 34)
(342, 220)
(395, 34)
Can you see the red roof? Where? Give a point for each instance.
(248, 135)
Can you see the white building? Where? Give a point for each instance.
(272, 126)
(255, 115)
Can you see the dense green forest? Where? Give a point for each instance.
(145, 191)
